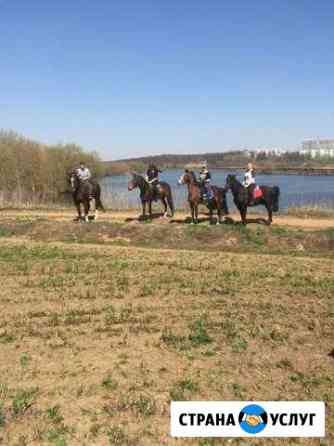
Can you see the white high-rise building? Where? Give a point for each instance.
(318, 148)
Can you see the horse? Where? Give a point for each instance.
(269, 198)
(163, 193)
(218, 201)
(83, 192)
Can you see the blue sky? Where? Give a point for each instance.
(132, 78)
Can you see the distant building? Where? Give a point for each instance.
(318, 148)
(273, 151)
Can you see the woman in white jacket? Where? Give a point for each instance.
(249, 182)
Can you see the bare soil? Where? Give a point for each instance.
(103, 324)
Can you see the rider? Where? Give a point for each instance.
(83, 172)
(205, 182)
(152, 177)
(249, 182)
(84, 176)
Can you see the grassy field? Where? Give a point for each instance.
(103, 324)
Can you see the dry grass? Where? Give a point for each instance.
(97, 339)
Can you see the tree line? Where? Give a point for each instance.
(218, 160)
(31, 172)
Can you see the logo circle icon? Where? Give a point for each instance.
(253, 419)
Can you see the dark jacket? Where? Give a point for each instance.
(153, 173)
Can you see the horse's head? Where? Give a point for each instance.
(230, 180)
(135, 181)
(187, 178)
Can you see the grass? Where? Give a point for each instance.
(98, 339)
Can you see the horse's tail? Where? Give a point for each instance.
(170, 202)
(99, 204)
(98, 201)
(276, 194)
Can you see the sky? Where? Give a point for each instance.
(138, 77)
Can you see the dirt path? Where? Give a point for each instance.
(66, 215)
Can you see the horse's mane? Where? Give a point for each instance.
(234, 178)
(138, 178)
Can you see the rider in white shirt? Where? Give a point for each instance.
(84, 173)
(249, 182)
(85, 176)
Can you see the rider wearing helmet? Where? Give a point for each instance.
(249, 182)
(205, 182)
(152, 177)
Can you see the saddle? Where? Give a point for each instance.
(206, 195)
(257, 193)
(155, 188)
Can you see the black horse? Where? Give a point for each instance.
(269, 199)
(217, 202)
(148, 193)
(83, 192)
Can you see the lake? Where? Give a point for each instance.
(296, 190)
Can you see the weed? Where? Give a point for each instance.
(239, 344)
(198, 334)
(109, 383)
(182, 390)
(144, 405)
(23, 400)
(24, 360)
(6, 338)
(2, 416)
(174, 341)
(54, 415)
(117, 436)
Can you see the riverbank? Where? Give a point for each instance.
(288, 234)
(303, 218)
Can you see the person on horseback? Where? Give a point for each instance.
(152, 178)
(205, 182)
(249, 182)
(83, 172)
(84, 175)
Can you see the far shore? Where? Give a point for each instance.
(306, 171)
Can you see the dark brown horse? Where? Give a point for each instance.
(83, 192)
(218, 201)
(162, 191)
(269, 199)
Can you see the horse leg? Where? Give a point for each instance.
(150, 208)
(78, 206)
(164, 202)
(170, 203)
(144, 210)
(270, 214)
(192, 209)
(196, 213)
(211, 215)
(219, 213)
(86, 208)
(96, 212)
(244, 215)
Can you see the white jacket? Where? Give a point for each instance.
(249, 178)
(84, 174)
